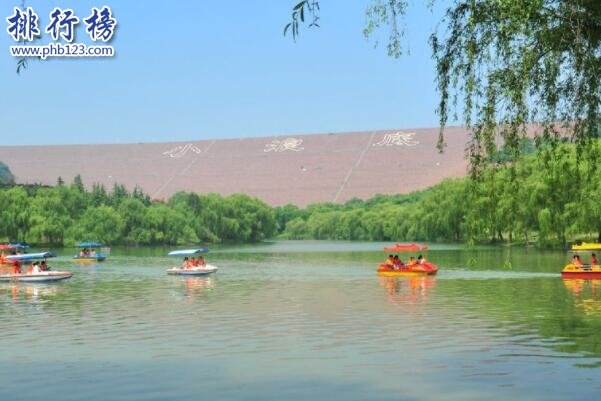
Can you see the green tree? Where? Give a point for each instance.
(6, 176)
(503, 64)
(49, 218)
(101, 223)
(15, 213)
(78, 184)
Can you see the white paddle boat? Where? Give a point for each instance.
(190, 267)
(34, 273)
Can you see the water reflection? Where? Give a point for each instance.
(587, 295)
(319, 325)
(411, 290)
(198, 286)
(27, 292)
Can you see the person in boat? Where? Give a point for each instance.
(17, 269)
(594, 260)
(36, 268)
(576, 261)
(390, 261)
(185, 263)
(43, 266)
(201, 261)
(421, 259)
(412, 261)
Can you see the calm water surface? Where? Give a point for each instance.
(304, 320)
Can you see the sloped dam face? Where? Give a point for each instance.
(298, 169)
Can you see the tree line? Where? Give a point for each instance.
(549, 197)
(65, 214)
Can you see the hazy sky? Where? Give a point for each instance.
(196, 69)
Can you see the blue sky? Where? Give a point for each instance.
(191, 70)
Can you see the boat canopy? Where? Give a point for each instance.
(15, 245)
(188, 252)
(89, 244)
(30, 256)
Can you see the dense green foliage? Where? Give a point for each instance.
(558, 197)
(68, 214)
(6, 176)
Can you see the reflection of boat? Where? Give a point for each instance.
(198, 285)
(587, 295)
(583, 272)
(88, 252)
(407, 290)
(33, 275)
(413, 247)
(31, 292)
(423, 269)
(200, 269)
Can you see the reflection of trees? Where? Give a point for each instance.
(559, 313)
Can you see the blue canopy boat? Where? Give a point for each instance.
(35, 273)
(88, 252)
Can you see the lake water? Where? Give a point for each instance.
(304, 320)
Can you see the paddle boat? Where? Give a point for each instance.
(10, 249)
(33, 274)
(577, 268)
(586, 246)
(88, 252)
(418, 269)
(413, 247)
(187, 269)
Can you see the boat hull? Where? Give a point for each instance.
(583, 272)
(98, 258)
(208, 269)
(426, 269)
(406, 248)
(44, 277)
(586, 246)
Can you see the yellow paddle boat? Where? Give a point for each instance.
(586, 246)
(577, 268)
